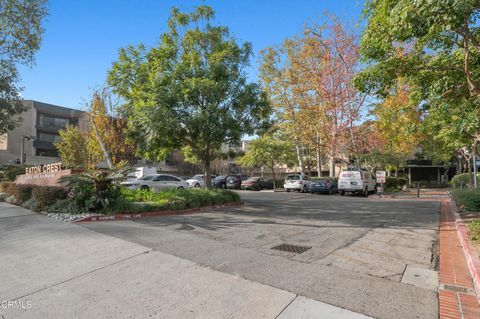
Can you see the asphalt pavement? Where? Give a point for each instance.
(360, 247)
(364, 257)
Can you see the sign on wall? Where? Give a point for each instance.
(46, 168)
(381, 176)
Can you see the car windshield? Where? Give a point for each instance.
(293, 177)
(253, 179)
(147, 178)
(219, 178)
(198, 177)
(233, 178)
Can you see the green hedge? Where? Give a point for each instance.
(22, 193)
(395, 183)
(467, 198)
(34, 195)
(429, 184)
(10, 172)
(46, 196)
(463, 179)
(474, 230)
(176, 199)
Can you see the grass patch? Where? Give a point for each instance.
(474, 230)
(469, 199)
(177, 199)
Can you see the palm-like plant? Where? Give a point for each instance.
(95, 189)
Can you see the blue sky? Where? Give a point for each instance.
(82, 38)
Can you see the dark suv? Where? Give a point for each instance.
(220, 181)
(235, 181)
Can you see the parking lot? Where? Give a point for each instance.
(358, 250)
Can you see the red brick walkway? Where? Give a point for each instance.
(457, 298)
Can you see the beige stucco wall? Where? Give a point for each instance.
(14, 138)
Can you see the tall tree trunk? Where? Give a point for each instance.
(102, 145)
(299, 156)
(332, 166)
(208, 173)
(319, 162)
(273, 176)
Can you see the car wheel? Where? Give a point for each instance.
(180, 187)
(288, 191)
(365, 193)
(144, 187)
(304, 189)
(197, 185)
(342, 193)
(330, 191)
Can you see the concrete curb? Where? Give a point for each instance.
(130, 216)
(471, 255)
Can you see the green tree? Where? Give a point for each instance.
(20, 35)
(73, 148)
(190, 91)
(435, 47)
(269, 151)
(439, 42)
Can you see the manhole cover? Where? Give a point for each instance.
(292, 248)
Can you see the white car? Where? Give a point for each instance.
(156, 182)
(297, 182)
(140, 172)
(356, 181)
(197, 180)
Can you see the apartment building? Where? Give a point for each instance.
(37, 133)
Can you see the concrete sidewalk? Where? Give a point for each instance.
(51, 269)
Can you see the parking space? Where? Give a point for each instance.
(356, 249)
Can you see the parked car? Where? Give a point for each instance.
(140, 172)
(235, 181)
(220, 181)
(198, 180)
(156, 182)
(256, 183)
(297, 182)
(325, 185)
(357, 181)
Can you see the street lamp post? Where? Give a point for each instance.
(22, 147)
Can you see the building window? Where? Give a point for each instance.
(52, 122)
(47, 153)
(46, 137)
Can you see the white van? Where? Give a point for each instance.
(356, 181)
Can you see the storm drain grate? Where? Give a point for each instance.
(456, 288)
(292, 248)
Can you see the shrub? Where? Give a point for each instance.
(62, 206)
(10, 172)
(428, 184)
(48, 195)
(32, 204)
(7, 187)
(467, 198)
(474, 229)
(11, 199)
(395, 183)
(3, 196)
(279, 183)
(463, 180)
(22, 192)
(176, 199)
